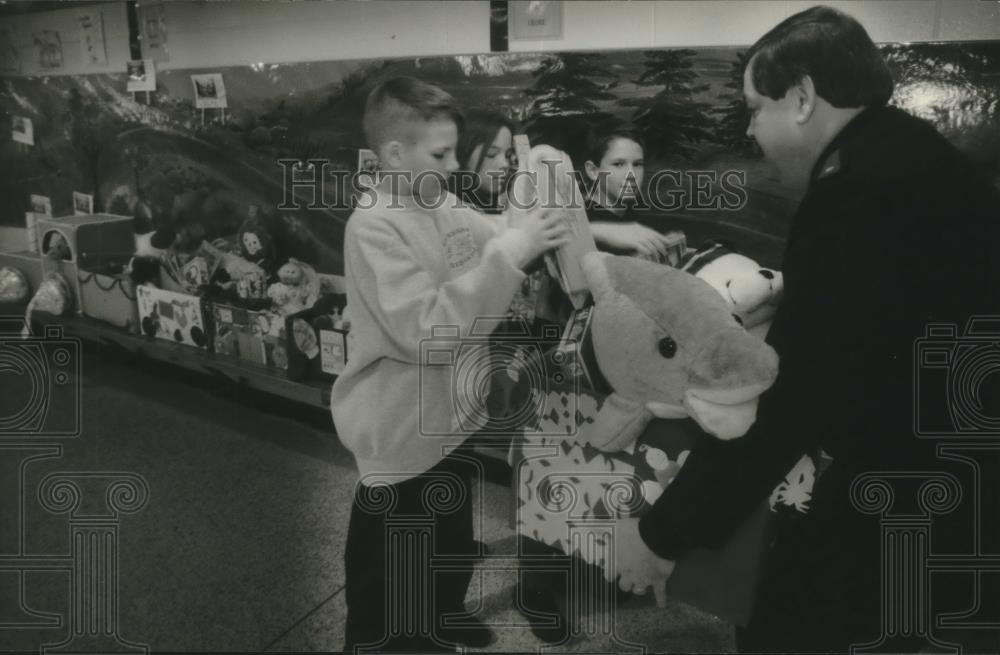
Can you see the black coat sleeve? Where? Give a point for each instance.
(838, 387)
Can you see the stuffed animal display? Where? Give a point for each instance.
(751, 290)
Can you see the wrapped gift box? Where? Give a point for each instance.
(255, 336)
(173, 316)
(30, 265)
(315, 348)
(70, 272)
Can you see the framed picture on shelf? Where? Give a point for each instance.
(209, 91)
(83, 203)
(41, 205)
(141, 76)
(22, 130)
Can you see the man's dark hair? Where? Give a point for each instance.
(394, 106)
(829, 46)
(600, 135)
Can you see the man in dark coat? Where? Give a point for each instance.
(896, 230)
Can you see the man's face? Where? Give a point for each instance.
(774, 125)
(428, 156)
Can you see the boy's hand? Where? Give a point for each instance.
(545, 228)
(645, 242)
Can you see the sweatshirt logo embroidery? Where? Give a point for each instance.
(459, 247)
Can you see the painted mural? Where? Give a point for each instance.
(165, 162)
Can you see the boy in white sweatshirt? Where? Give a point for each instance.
(416, 260)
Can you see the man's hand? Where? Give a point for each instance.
(636, 565)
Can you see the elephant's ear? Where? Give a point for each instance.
(595, 271)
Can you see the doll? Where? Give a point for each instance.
(255, 244)
(297, 288)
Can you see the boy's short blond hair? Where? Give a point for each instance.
(396, 106)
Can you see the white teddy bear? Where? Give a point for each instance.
(753, 291)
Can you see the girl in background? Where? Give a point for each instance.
(486, 156)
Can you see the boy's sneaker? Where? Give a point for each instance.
(473, 635)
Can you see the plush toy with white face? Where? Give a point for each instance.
(298, 288)
(251, 244)
(752, 290)
(256, 245)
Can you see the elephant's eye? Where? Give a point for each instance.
(667, 347)
(738, 319)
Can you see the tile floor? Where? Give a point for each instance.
(240, 545)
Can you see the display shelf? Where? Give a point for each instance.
(310, 392)
(315, 393)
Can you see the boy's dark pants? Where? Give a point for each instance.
(394, 603)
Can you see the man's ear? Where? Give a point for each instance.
(392, 154)
(591, 169)
(804, 96)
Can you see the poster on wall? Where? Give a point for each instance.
(535, 19)
(141, 75)
(22, 130)
(83, 203)
(10, 56)
(48, 47)
(92, 36)
(41, 205)
(153, 24)
(209, 91)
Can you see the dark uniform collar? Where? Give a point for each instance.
(836, 156)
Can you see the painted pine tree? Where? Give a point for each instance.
(564, 97)
(672, 120)
(91, 132)
(733, 114)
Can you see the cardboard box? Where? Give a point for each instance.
(332, 350)
(92, 238)
(255, 336)
(172, 316)
(109, 297)
(311, 353)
